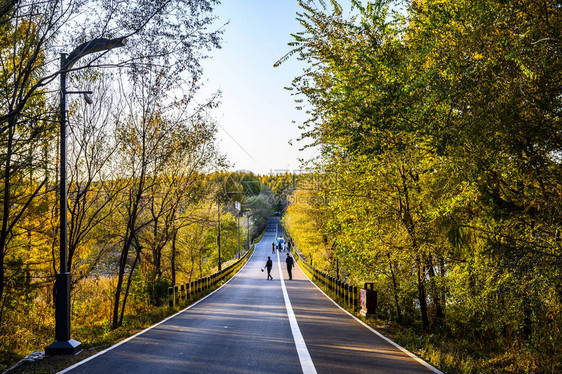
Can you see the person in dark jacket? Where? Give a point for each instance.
(272, 247)
(268, 266)
(290, 265)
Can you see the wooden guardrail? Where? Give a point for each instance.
(191, 291)
(347, 293)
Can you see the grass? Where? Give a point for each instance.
(94, 336)
(452, 355)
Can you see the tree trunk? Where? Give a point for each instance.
(6, 204)
(121, 275)
(173, 260)
(435, 292)
(395, 290)
(422, 295)
(408, 222)
(130, 278)
(133, 212)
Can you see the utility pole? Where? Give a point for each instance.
(219, 234)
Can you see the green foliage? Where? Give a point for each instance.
(138, 165)
(278, 189)
(440, 173)
(158, 290)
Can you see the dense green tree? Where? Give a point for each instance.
(440, 130)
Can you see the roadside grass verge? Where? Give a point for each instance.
(457, 356)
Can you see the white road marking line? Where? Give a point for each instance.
(304, 357)
(416, 358)
(155, 325)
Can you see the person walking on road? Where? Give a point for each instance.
(290, 265)
(268, 266)
(272, 247)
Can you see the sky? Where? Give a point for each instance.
(256, 114)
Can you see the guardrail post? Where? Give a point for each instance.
(175, 295)
(337, 285)
(170, 297)
(346, 291)
(182, 293)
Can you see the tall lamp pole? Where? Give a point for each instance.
(248, 228)
(63, 344)
(219, 234)
(238, 207)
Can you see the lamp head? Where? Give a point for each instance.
(88, 99)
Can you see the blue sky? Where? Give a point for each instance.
(256, 113)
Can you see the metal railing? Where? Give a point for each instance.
(191, 291)
(346, 293)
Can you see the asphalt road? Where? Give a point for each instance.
(252, 325)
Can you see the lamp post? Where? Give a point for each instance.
(238, 207)
(63, 344)
(219, 234)
(248, 227)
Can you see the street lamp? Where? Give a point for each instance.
(219, 234)
(219, 229)
(248, 227)
(238, 207)
(63, 344)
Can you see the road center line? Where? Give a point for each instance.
(304, 357)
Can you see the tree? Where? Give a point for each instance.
(94, 184)
(29, 65)
(441, 128)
